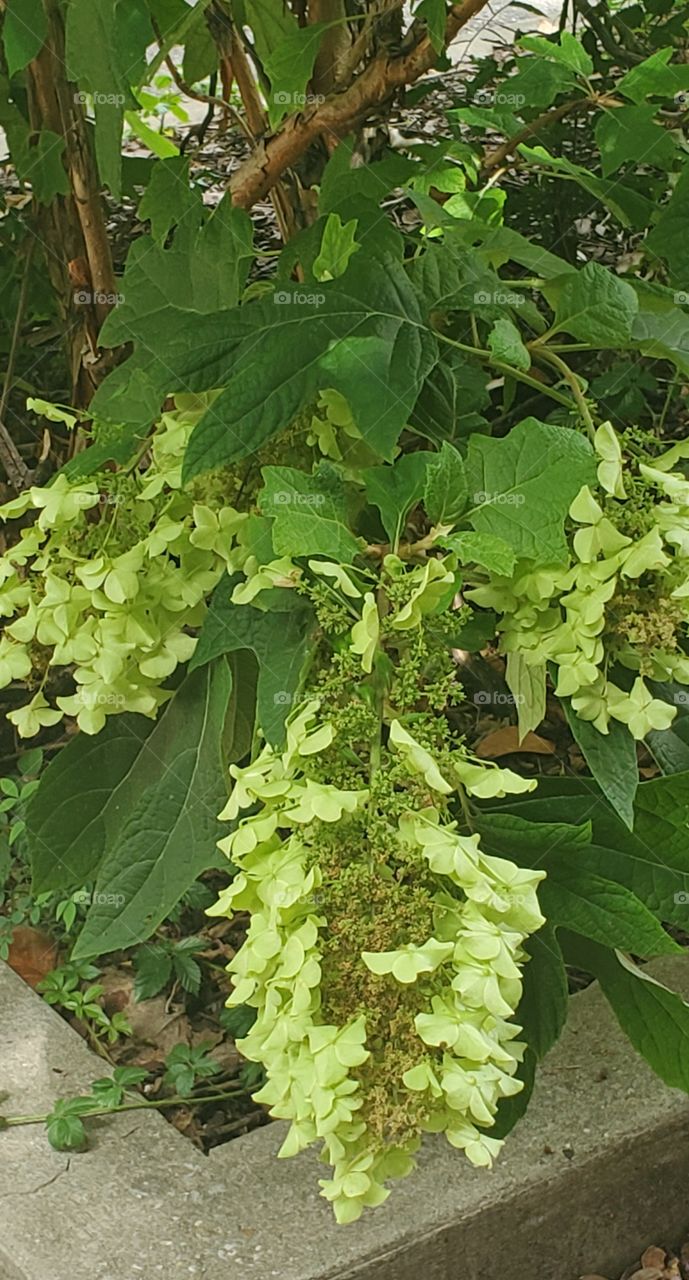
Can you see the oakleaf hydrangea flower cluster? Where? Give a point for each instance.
(107, 581)
(623, 598)
(385, 946)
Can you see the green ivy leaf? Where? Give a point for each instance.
(64, 1127)
(521, 487)
(396, 489)
(611, 757)
(446, 489)
(279, 641)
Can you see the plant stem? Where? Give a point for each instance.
(520, 376)
(573, 382)
(8, 1122)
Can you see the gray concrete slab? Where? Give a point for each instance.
(596, 1171)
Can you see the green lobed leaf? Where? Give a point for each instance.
(281, 362)
(280, 641)
(446, 489)
(169, 199)
(655, 869)
(570, 51)
(396, 489)
(655, 77)
(521, 487)
(338, 244)
(594, 306)
(310, 513)
(484, 549)
(505, 342)
(631, 133)
(24, 30)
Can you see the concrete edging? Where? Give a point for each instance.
(596, 1171)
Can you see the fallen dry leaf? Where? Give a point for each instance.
(654, 1257)
(32, 954)
(505, 742)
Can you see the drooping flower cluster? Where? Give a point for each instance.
(107, 581)
(623, 598)
(383, 956)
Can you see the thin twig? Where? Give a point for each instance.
(18, 474)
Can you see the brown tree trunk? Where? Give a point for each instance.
(72, 228)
